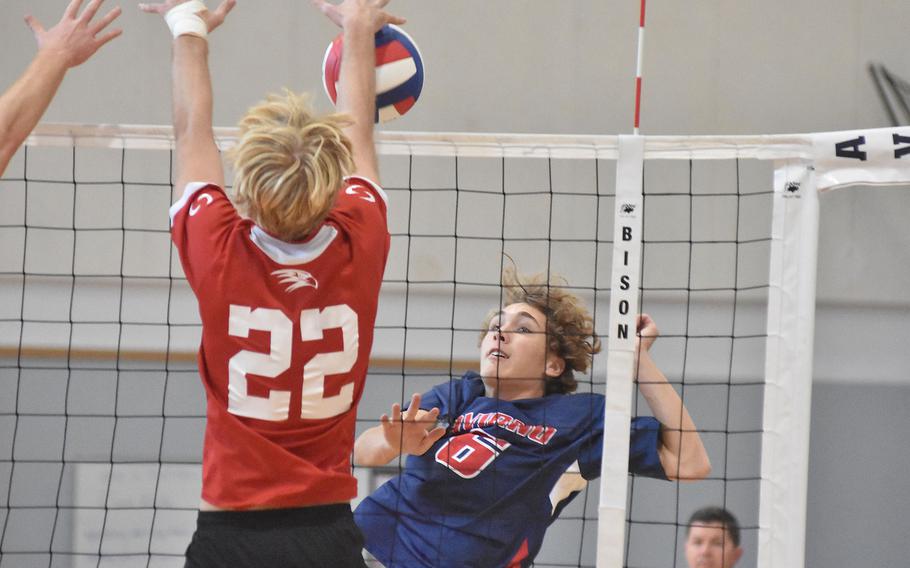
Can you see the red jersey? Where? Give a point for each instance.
(286, 335)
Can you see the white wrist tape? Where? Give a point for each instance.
(184, 19)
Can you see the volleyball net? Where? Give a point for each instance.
(102, 411)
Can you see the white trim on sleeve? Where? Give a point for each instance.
(373, 185)
(190, 189)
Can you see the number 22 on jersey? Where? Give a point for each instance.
(314, 403)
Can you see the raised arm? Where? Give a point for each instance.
(71, 42)
(681, 451)
(409, 432)
(360, 20)
(190, 22)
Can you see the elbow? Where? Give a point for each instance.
(366, 454)
(701, 469)
(8, 149)
(180, 130)
(694, 469)
(693, 465)
(366, 460)
(189, 130)
(360, 457)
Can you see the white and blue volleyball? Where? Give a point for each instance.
(399, 72)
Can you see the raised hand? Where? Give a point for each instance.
(75, 38)
(646, 332)
(212, 19)
(368, 12)
(412, 431)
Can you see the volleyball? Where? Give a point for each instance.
(399, 72)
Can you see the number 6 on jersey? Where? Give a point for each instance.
(314, 404)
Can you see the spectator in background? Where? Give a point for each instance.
(712, 539)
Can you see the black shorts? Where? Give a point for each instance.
(307, 537)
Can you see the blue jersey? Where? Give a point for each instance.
(480, 496)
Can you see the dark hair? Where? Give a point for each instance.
(716, 515)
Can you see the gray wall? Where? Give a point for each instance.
(567, 67)
(858, 496)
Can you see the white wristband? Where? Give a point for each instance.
(184, 19)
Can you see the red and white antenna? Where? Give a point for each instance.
(641, 48)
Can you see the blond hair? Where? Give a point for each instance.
(289, 165)
(569, 328)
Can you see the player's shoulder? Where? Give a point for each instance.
(471, 385)
(588, 396)
(197, 195)
(577, 398)
(584, 404)
(462, 390)
(365, 189)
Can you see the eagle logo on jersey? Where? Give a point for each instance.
(296, 279)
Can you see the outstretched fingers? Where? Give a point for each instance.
(432, 416)
(370, 11)
(160, 8)
(109, 36)
(74, 39)
(392, 19)
(330, 11)
(223, 10)
(388, 420)
(104, 22)
(72, 10)
(150, 8)
(413, 408)
(33, 23)
(411, 431)
(386, 17)
(90, 11)
(398, 417)
(433, 436)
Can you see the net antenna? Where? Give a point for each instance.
(893, 92)
(638, 65)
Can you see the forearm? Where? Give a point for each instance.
(371, 448)
(23, 105)
(682, 451)
(197, 155)
(357, 95)
(192, 89)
